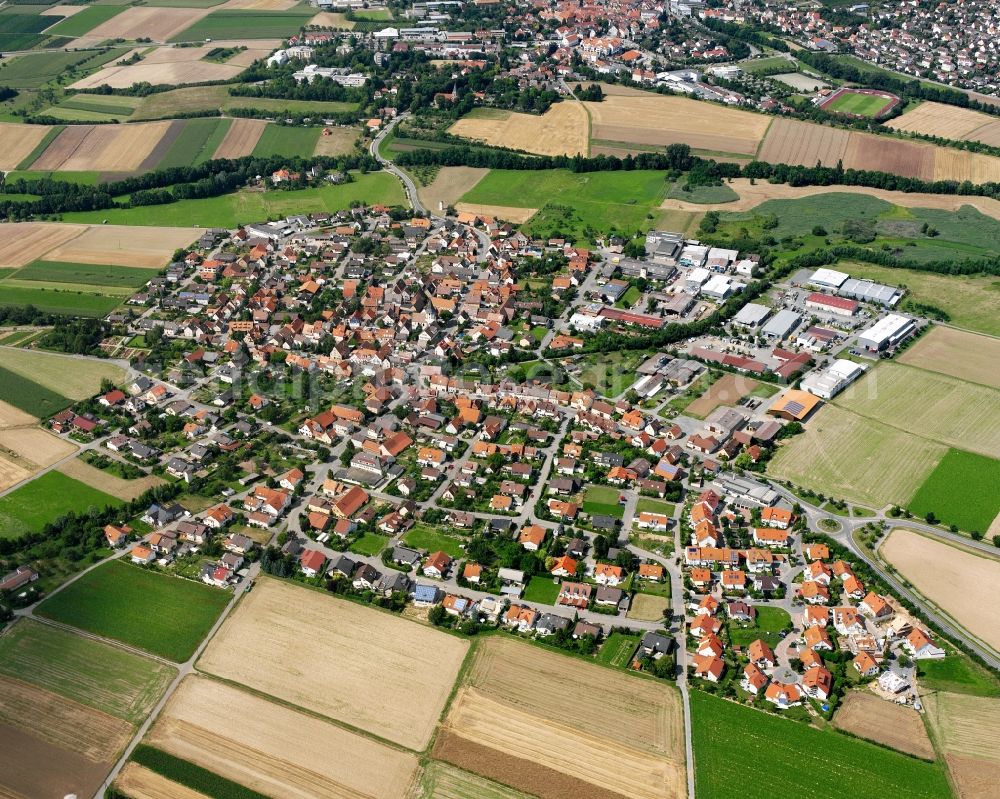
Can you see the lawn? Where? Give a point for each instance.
(631, 296)
(85, 21)
(93, 673)
(647, 505)
(244, 24)
(197, 142)
(52, 495)
(866, 105)
(769, 622)
(369, 544)
(232, 210)
(165, 615)
(29, 396)
(709, 195)
(962, 490)
(67, 303)
(603, 500)
(770, 756)
(287, 140)
(576, 205)
(618, 649)
(541, 589)
(93, 274)
(421, 536)
(610, 373)
(956, 674)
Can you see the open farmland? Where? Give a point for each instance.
(279, 139)
(963, 585)
(65, 300)
(152, 22)
(533, 734)
(111, 148)
(95, 276)
(109, 483)
(960, 165)
(27, 395)
(339, 141)
(169, 616)
(76, 378)
(140, 782)
(942, 408)
(949, 122)
(562, 130)
(27, 450)
(230, 23)
(322, 654)
(845, 455)
(897, 726)
(880, 153)
(727, 390)
(92, 673)
(656, 119)
(967, 728)
(442, 781)
(789, 141)
(35, 239)
(46, 498)
(290, 749)
(13, 467)
(961, 491)
(117, 245)
(241, 138)
(957, 353)
(773, 756)
(18, 141)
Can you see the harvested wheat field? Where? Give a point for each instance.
(107, 482)
(803, 143)
(974, 779)
(257, 5)
(339, 141)
(121, 245)
(241, 138)
(883, 154)
(950, 164)
(36, 445)
(61, 11)
(963, 585)
(443, 781)
(15, 417)
(34, 240)
(562, 130)
(102, 148)
(139, 782)
(727, 390)
(967, 728)
(897, 726)
(13, 470)
(658, 119)
(330, 19)
(275, 750)
(152, 22)
(17, 142)
(511, 729)
(967, 356)
(949, 122)
(325, 655)
(504, 212)
(450, 183)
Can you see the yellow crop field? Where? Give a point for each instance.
(141, 783)
(120, 245)
(562, 130)
(949, 122)
(111, 148)
(789, 141)
(967, 356)
(17, 142)
(35, 239)
(951, 164)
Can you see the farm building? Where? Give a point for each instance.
(794, 405)
(886, 332)
(869, 291)
(829, 382)
(781, 325)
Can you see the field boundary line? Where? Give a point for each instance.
(760, 144)
(101, 639)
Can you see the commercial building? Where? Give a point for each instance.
(829, 382)
(752, 315)
(869, 291)
(793, 405)
(781, 325)
(886, 332)
(828, 278)
(830, 304)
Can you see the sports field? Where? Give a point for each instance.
(794, 759)
(859, 102)
(167, 615)
(847, 456)
(232, 210)
(52, 495)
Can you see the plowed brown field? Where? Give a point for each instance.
(241, 138)
(898, 726)
(883, 154)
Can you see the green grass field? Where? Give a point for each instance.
(287, 140)
(70, 303)
(197, 142)
(85, 21)
(769, 622)
(165, 615)
(32, 70)
(647, 505)
(105, 105)
(245, 24)
(962, 490)
(618, 649)
(83, 178)
(420, 536)
(769, 65)
(92, 673)
(701, 194)
(866, 105)
(95, 275)
(575, 204)
(29, 396)
(957, 674)
(768, 756)
(21, 31)
(232, 210)
(603, 500)
(52, 495)
(204, 98)
(542, 589)
(369, 544)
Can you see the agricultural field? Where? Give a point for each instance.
(441, 781)
(793, 759)
(140, 782)
(847, 456)
(155, 23)
(124, 246)
(961, 165)
(33, 70)
(512, 730)
(860, 102)
(125, 490)
(957, 413)
(949, 122)
(35, 239)
(961, 491)
(231, 210)
(25, 448)
(899, 727)
(964, 585)
(562, 130)
(169, 616)
(967, 728)
(59, 301)
(77, 378)
(727, 390)
(645, 118)
(104, 275)
(789, 141)
(110, 148)
(197, 142)
(52, 495)
(449, 185)
(601, 499)
(85, 20)
(245, 24)
(956, 674)
(311, 650)
(29, 396)
(291, 750)
(17, 142)
(957, 353)
(279, 139)
(241, 138)
(104, 677)
(193, 99)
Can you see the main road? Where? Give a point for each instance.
(388, 166)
